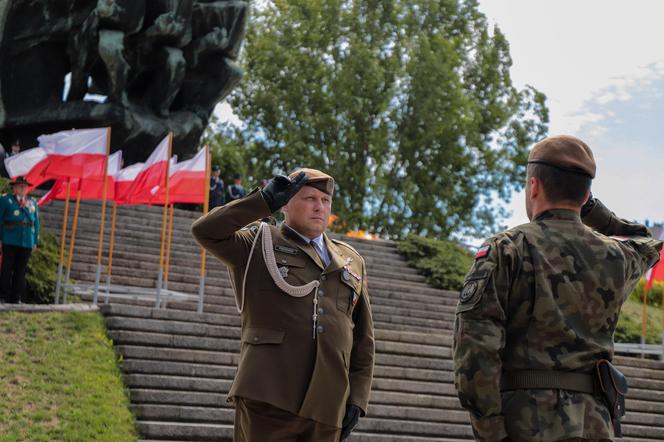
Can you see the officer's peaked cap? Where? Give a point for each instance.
(317, 179)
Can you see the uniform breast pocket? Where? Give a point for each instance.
(348, 294)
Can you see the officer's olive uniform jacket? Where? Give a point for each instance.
(19, 226)
(543, 296)
(280, 362)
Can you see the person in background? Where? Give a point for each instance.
(13, 150)
(217, 191)
(235, 190)
(19, 233)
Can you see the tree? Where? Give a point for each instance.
(409, 104)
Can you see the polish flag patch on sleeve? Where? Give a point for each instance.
(483, 251)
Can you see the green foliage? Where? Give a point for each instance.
(443, 263)
(654, 295)
(60, 380)
(42, 270)
(629, 324)
(408, 104)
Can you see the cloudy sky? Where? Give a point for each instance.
(601, 65)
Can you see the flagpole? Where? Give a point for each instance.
(206, 207)
(72, 241)
(168, 246)
(163, 223)
(110, 252)
(103, 217)
(644, 316)
(63, 235)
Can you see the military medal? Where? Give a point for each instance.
(348, 272)
(284, 271)
(16, 212)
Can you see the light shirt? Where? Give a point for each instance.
(317, 243)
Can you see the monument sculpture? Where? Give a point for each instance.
(142, 67)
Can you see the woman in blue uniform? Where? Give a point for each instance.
(19, 233)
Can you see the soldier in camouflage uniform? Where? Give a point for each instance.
(540, 305)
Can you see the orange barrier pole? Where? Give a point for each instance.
(63, 236)
(103, 217)
(72, 241)
(110, 253)
(168, 245)
(163, 223)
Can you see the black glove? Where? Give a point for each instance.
(280, 189)
(353, 413)
(597, 216)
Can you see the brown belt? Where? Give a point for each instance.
(549, 380)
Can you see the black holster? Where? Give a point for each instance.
(613, 386)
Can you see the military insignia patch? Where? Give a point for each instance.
(283, 271)
(468, 291)
(345, 275)
(356, 297)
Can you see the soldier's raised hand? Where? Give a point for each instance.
(280, 189)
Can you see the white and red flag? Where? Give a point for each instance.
(187, 181)
(79, 153)
(31, 164)
(151, 176)
(657, 272)
(125, 179)
(91, 188)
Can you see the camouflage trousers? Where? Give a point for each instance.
(555, 415)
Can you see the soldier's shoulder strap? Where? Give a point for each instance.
(346, 245)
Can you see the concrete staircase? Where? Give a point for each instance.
(178, 364)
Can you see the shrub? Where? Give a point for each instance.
(443, 263)
(654, 295)
(42, 271)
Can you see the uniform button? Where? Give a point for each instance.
(321, 311)
(320, 329)
(323, 277)
(256, 338)
(321, 292)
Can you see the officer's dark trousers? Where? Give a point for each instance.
(14, 265)
(261, 422)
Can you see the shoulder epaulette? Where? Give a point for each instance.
(348, 246)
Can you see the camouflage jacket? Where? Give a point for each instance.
(545, 295)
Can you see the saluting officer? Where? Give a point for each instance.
(538, 309)
(19, 233)
(307, 353)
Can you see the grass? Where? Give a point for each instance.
(60, 380)
(629, 325)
